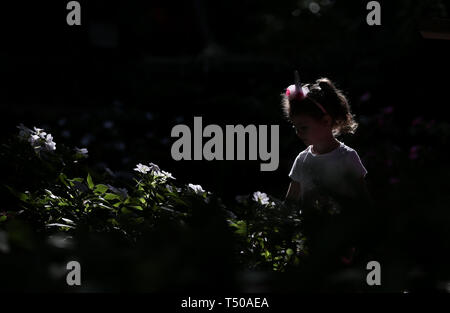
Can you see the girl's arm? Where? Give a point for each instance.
(293, 194)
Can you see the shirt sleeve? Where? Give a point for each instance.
(356, 167)
(295, 173)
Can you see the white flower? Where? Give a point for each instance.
(164, 175)
(49, 143)
(144, 169)
(83, 152)
(33, 139)
(41, 133)
(261, 197)
(167, 174)
(37, 138)
(154, 170)
(50, 146)
(197, 189)
(154, 167)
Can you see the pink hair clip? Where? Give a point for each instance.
(296, 91)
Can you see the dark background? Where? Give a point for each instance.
(118, 83)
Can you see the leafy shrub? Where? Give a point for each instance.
(60, 202)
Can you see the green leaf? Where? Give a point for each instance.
(77, 179)
(22, 196)
(181, 202)
(125, 211)
(289, 252)
(111, 196)
(3, 218)
(241, 227)
(51, 195)
(62, 178)
(90, 182)
(100, 188)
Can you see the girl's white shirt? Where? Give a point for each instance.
(322, 175)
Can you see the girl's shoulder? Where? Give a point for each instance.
(353, 161)
(343, 151)
(301, 156)
(347, 150)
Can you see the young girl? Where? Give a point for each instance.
(327, 178)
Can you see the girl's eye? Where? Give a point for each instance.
(302, 129)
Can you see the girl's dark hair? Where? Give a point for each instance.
(332, 99)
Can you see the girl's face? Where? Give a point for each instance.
(312, 131)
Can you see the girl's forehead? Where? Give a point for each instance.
(303, 119)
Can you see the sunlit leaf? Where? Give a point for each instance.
(111, 196)
(58, 225)
(100, 188)
(68, 221)
(89, 181)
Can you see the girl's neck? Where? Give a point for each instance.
(326, 146)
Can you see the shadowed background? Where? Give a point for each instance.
(118, 83)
